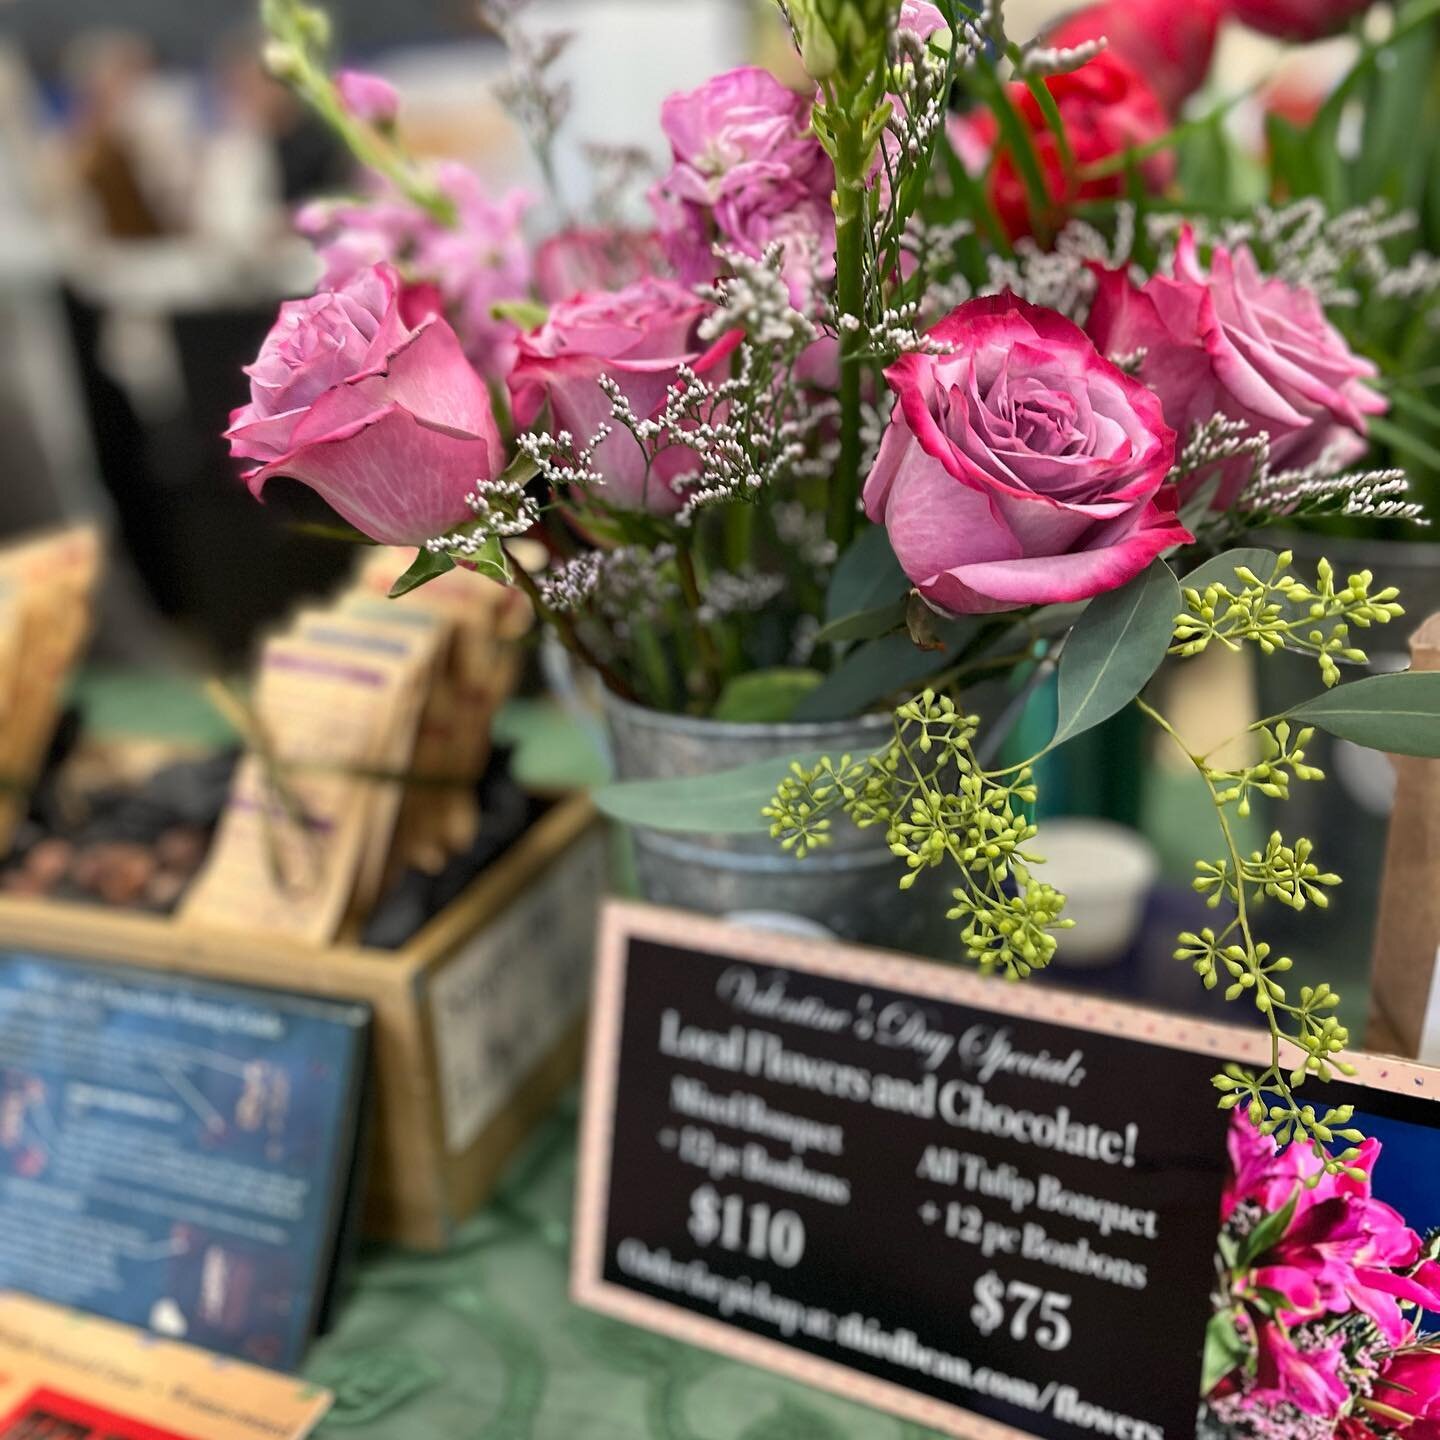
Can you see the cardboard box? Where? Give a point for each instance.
(478, 1020)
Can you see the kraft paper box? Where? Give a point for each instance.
(1405, 984)
(67, 1374)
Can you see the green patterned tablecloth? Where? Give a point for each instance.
(483, 1344)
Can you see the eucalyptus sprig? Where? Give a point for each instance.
(1278, 612)
(939, 806)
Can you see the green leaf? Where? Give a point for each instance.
(864, 625)
(551, 750)
(1401, 439)
(765, 697)
(1399, 713)
(867, 575)
(425, 568)
(527, 314)
(868, 674)
(1220, 569)
(1267, 1234)
(521, 470)
(491, 561)
(1114, 649)
(1224, 1350)
(727, 802)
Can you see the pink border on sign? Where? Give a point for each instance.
(621, 921)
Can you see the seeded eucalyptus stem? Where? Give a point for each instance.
(1251, 969)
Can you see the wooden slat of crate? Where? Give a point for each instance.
(418, 1190)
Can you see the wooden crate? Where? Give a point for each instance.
(478, 1020)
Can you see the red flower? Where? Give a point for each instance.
(1106, 107)
(1298, 19)
(1170, 42)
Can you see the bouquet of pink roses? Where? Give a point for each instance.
(928, 372)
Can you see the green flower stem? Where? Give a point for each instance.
(302, 71)
(712, 665)
(1274, 1079)
(570, 637)
(851, 162)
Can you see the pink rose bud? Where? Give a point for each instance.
(1254, 348)
(1022, 468)
(597, 259)
(1170, 42)
(367, 97)
(480, 260)
(922, 19)
(387, 422)
(637, 336)
(1297, 19)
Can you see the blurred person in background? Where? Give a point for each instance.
(265, 152)
(107, 72)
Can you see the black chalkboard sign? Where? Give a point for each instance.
(990, 1208)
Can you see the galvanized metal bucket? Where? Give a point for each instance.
(851, 886)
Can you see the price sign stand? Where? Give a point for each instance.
(988, 1208)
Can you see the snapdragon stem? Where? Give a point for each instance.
(710, 662)
(849, 305)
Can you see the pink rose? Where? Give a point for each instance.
(481, 259)
(1023, 468)
(1235, 342)
(1170, 42)
(1297, 19)
(367, 97)
(596, 259)
(747, 172)
(637, 336)
(387, 422)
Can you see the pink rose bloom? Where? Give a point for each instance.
(1023, 468)
(637, 336)
(480, 260)
(1235, 342)
(388, 423)
(1170, 42)
(596, 259)
(367, 97)
(747, 172)
(1297, 19)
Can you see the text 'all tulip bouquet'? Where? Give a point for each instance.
(926, 373)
